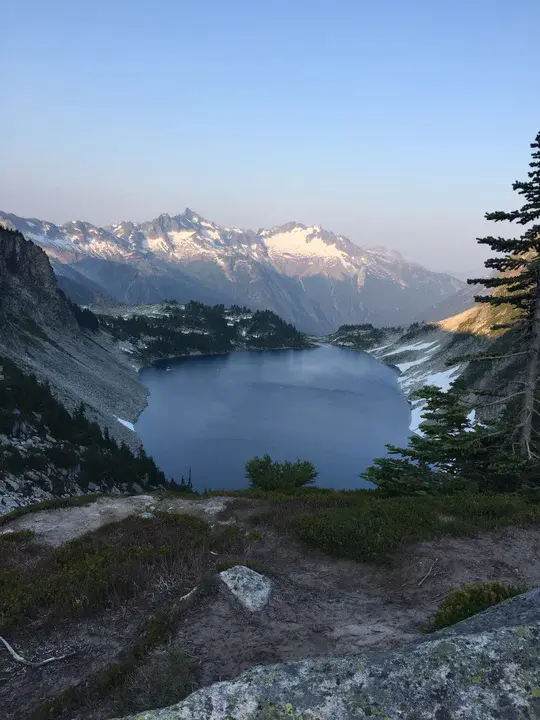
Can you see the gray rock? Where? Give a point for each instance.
(487, 667)
(251, 589)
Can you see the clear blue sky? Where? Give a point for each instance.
(396, 122)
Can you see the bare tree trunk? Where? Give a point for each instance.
(530, 383)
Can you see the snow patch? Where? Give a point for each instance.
(417, 416)
(296, 243)
(405, 366)
(444, 379)
(414, 346)
(127, 424)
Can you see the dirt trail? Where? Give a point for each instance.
(55, 527)
(319, 605)
(328, 606)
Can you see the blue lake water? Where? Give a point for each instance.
(337, 408)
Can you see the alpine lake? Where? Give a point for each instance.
(208, 415)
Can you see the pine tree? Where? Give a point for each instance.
(518, 285)
(451, 453)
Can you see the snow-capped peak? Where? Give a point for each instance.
(268, 268)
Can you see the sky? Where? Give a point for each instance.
(394, 122)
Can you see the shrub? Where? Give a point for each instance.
(368, 532)
(51, 504)
(471, 599)
(107, 567)
(165, 680)
(374, 526)
(264, 474)
(17, 536)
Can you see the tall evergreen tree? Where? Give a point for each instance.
(518, 286)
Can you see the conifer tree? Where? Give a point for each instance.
(518, 286)
(451, 452)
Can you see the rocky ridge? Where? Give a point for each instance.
(309, 276)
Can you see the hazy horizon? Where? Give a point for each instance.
(392, 124)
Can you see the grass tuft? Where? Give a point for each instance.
(106, 568)
(470, 600)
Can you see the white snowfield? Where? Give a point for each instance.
(188, 237)
(420, 371)
(127, 424)
(414, 346)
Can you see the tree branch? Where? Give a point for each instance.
(503, 399)
(18, 658)
(428, 572)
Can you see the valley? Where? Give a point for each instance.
(120, 579)
(278, 459)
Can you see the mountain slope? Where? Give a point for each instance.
(40, 332)
(311, 277)
(50, 444)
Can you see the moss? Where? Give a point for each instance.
(471, 599)
(522, 632)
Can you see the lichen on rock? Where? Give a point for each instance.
(485, 668)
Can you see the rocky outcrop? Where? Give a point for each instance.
(485, 667)
(28, 289)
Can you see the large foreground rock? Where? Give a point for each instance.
(486, 667)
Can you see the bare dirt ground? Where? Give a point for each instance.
(55, 527)
(319, 605)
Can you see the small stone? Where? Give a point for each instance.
(251, 589)
(146, 515)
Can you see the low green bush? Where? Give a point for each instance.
(370, 532)
(471, 599)
(265, 474)
(371, 529)
(18, 536)
(105, 568)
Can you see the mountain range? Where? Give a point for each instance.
(311, 277)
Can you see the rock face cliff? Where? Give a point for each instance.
(483, 668)
(29, 294)
(40, 332)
